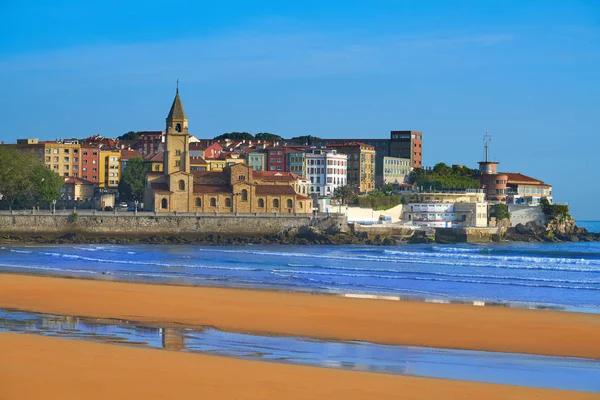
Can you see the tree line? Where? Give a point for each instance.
(24, 177)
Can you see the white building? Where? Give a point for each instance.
(451, 209)
(326, 170)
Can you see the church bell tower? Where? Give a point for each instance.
(177, 139)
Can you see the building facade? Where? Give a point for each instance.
(407, 144)
(360, 166)
(90, 163)
(392, 170)
(110, 168)
(256, 160)
(326, 170)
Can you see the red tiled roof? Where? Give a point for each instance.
(195, 160)
(302, 197)
(514, 177)
(156, 157)
(212, 189)
(160, 187)
(275, 190)
(127, 154)
(154, 173)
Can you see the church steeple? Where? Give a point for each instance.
(176, 157)
(177, 115)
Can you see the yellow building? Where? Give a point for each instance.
(109, 169)
(62, 158)
(78, 189)
(361, 165)
(231, 189)
(154, 162)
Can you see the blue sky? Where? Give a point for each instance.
(527, 71)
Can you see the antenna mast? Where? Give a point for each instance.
(487, 138)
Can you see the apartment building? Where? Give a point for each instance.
(326, 169)
(407, 144)
(90, 163)
(391, 170)
(109, 168)
(361, 165)
(64, 158)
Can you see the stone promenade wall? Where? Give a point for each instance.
(157, 225)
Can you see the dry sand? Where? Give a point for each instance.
(34, 367)
(319, 316)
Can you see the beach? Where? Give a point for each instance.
(455, 326)
(40, 367)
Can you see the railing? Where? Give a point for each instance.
(319, 216)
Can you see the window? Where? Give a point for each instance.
(66, 159)
(242, 178)
(164, 203)
(290, 204)
(181, 184)
(157, 167)
(275, 203)
(244, 195)
(66, 151)
(55, 151)
(177, 163)
(261, 203)
(93, 161)
(213, 202)
(177, 152)
(94, 170)
(228, 202)
(301, 205)
(178, 128)
(198, 202)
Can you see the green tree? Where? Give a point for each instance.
(308, 139)
(131, 135)
(133, 180)
(46, 184)
(345, 194)
(267, 136)
(235, 136)
(15, 173)
(499, 211)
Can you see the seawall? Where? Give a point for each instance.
(151, 225)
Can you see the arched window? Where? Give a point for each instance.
(261, 203)
(301, 206)
(244, 195)
(178, 128)
(227, 202)
(198, 202)
(163, 203)
(290, 204)
(213, 202)
(275, 203)
(182, 185)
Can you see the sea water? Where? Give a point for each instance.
(563, 275)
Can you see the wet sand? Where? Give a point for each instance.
(36, 367)
(319, 316)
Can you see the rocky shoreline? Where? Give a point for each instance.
(306, 235)
(538, 232)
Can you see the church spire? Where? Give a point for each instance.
(177, 108)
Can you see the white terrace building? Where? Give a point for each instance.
(326, 170)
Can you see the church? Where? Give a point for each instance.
(235, 189)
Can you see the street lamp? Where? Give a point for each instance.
(54, 206)
(136, 204)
